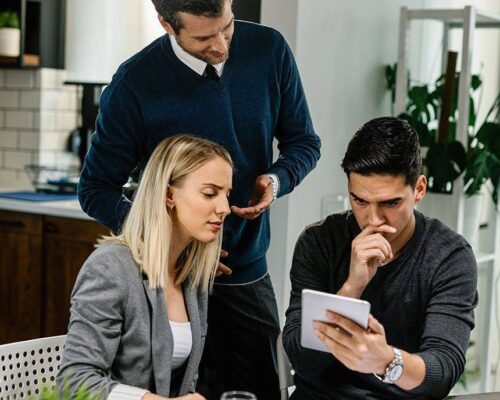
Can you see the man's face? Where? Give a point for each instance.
(205, 38)
(385, 199)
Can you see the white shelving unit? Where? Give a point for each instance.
(468, 19)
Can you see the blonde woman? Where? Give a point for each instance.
(139, 305)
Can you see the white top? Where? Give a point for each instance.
(183, 342)
(192, 62)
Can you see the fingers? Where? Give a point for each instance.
(223, 270)
(332, 342)
(223, 253)
(374, 325)
(249, 212)
(384, 228)
(346, 324)
(363, 246)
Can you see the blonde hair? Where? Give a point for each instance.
(148, 227)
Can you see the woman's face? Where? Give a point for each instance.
(201, 202)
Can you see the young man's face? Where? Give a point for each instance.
(207, 39)
(385, 199)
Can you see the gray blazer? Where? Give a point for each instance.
(119, 330)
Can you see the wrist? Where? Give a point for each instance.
(275, 183)
(387, 359)
(350, 290)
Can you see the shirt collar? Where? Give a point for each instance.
(192, 62)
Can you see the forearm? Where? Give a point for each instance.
(413, 371)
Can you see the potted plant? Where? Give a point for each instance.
(446, 158)
(10, 34)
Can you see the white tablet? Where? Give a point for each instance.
(314, 307)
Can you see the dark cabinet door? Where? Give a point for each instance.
(20, 276)
(67, 244)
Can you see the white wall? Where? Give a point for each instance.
(101, 34)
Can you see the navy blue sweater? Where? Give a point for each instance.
(154, 95)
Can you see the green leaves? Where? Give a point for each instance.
(445, 162)
(9, 19)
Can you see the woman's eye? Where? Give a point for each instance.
(209, 195)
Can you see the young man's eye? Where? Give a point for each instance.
(391, 203)
(360, 202)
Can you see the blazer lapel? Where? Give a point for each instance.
(162, 342)
(190, 297)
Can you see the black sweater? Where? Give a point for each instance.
(424, 299)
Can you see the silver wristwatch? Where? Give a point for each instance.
(394, 370)
(275, 182)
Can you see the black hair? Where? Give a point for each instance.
(385, 145)
(170, 9)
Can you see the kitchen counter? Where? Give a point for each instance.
(62, 208)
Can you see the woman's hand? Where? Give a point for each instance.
(191, 396)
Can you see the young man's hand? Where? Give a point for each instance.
(369, 250)
(359, 350)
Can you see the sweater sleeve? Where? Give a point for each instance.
(115, 150)
(448, 323)
(97, 307)
(298, 144)
(309, 271)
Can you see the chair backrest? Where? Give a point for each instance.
(27, 367)
(285, 371)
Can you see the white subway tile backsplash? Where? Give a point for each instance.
(8, 139)
(9, 99)
(29, 140)
(66, 120)
(15, 78)
(47, 120)
(19, 119)
(17, 159)
(37, 113)
(30, 99)
(8, 178)
(53, 142)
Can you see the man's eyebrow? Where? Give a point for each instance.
(391, 200)
(356, 197)
(209, 36)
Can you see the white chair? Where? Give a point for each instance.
(27, 367)
(285, 371)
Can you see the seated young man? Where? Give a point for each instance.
(419, 276)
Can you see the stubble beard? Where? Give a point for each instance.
(203, 57)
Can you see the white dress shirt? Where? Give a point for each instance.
(192, 62)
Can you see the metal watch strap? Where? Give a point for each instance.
(275, 182)
(396, 363)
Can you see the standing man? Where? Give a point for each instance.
(237, 84)
(419, 276)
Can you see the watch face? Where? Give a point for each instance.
(395, 373)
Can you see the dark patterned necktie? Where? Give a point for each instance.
(211, 73)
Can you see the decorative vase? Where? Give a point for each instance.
(10, 42)
(472, 212)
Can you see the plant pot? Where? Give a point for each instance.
(10, 42)
(473, 205)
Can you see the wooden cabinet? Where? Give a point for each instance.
(20, 276)
(40, 258)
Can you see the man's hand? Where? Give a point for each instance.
(369, 250)
(221, 268)
(359, 350)
(260, 199)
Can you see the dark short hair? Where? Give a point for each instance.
(385, 145)
(170, 9)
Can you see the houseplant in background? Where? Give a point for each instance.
(445, 158)
(10, 34)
